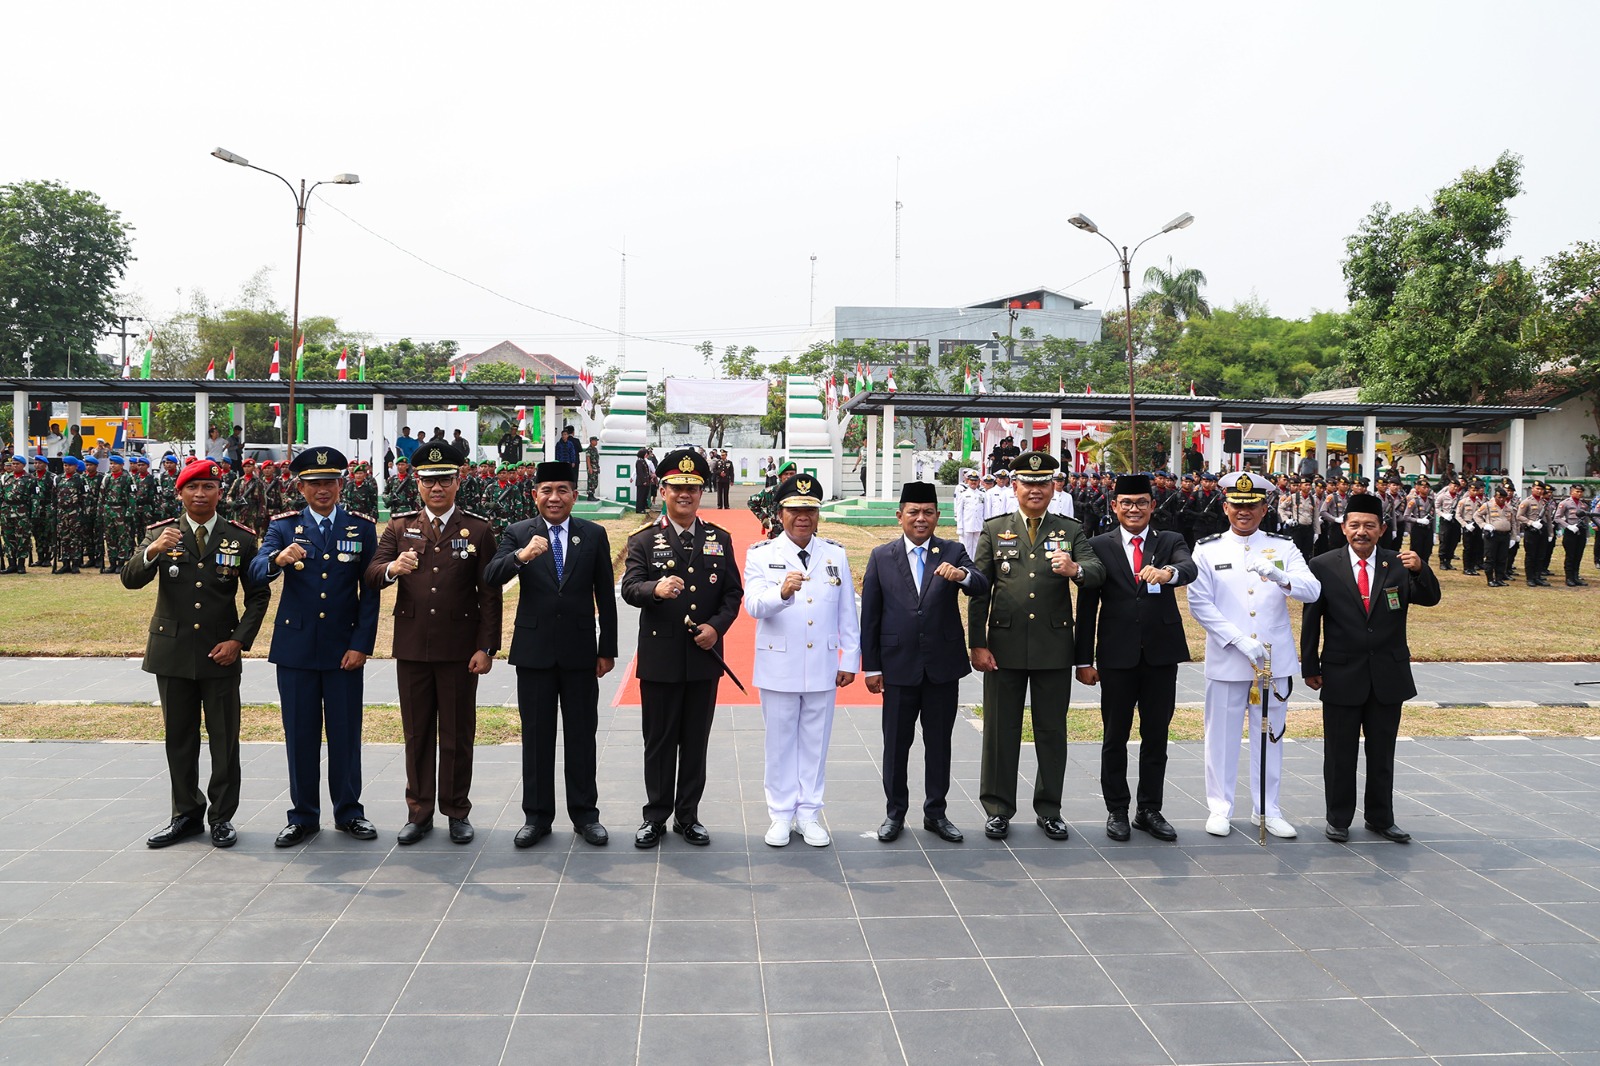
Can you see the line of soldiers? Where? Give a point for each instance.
(82, 517)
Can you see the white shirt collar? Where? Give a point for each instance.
(1127, 537)
(1371, 561)
(911, 548)
(445, 518)
(680, 530)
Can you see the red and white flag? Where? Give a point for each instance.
(1088, 390)
(888, 382)
(522, 410)
(211, 369)
(344, 364)
(1191, 388)
(272, 375)
(230, 370)
(1061, 385)
(831, 392)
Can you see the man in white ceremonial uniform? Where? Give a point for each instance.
(1240, 596)
(994, 501)
(968, 505)
(1061, 503)
(797, 586)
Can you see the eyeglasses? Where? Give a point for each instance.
(1134, 505)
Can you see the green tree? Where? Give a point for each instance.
(1246, 353)
(1175, 293)
(1435, 317)
(1566, 332)
(62, 254)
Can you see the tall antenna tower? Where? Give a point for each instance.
(811, 312)
(897, 206)
(622, 312)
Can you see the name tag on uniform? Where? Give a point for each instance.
(777, 566)
(1223, 566)
(1154, 588)
(408, 532)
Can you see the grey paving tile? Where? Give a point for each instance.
(293, 900)
(966, 1036)
(188, 902)
(52, 940)
(343, 989)
(1460, 1025)
(266, 940)
(1266, 976)
(361, 941)
(378, 902)
(139, 940)
(55, 1041)
(703, 941)
(687, 901)
(803, 900)
(1229, 930)
(145, 1040)
(821, 987)
(577, 902)
(1488, 968)
(1125, 934)
(683, 1040)
(1094, 895)
(1023, 935)
(918, 938)
(812, 940)
(943, 985)
(421, 1040)
(573, 1038)
(1215, 1033)
(888, 899)
(19, 898)
(207, 990)
(703, 988)
(1050, 982)
(1143, 979)
(479, 940)
(1091, 1036)
(503, 901)
(1425, 926)
(563, 988)
(281, 1041)
(1319, 927)
(1337, 1029)
(865, 1039)
(1561, 1021)
(598, 941)
(995, 897)
(22, 981)
(1373, 973)
(465, 989)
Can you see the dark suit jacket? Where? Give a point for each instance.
(555, 624)
(713, 589)
(1128, 617)
(913, 638)
(1365, 652)
(198, 608)
(446, 610)
(325, 608)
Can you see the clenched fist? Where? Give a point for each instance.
(791, 583)
(535, 547)
(290, 555)
(170, 538)
(669, 588)
(407, 563)
(951, 573)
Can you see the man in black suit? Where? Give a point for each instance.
(683, 575)
(564, 565)
(1363, 665)
(1141, 644)
(913, 652)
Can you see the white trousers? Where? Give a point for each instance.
(799, 725)
(1225, 719)
(970, 542)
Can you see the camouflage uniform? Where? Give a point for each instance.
(116, 515)
(43, 515)
(16, 504)
(68, 502)
(91, 549)
(469, 495)
(250, 503)
(362, 498)
(403, 496)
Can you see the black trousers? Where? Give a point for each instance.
(903, 705)
(1472, 548)
(1496, 554)
(1343, 725)
(1449, 537)
(577, 692)
(723, 488)
(1539, 547)
(1153, 690)
(1572, 549)
(1302, 536)
(184, 702)
(676, 720)
(1422, 540)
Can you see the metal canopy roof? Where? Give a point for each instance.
(410, 393)
(1113, 407)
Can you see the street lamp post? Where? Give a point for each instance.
(302, 197)
(1125, 258)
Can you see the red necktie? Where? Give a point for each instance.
(1138, 555)
(1362, 586)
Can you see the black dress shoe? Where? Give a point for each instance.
(944, 828)
(1337, 833)
(1151, 822)
(649, 835)
(1579, 581)
(184, 825)
(693, 833)
(889, 831)
(1054, 828)
(461, 831)
(529, 835)
(1117, 825)
(594, 833)
(359, 828)
(295, 833)
(997, 827)
(412, 832)
(1392, 832)
(223, 835)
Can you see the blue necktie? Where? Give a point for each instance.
(322, 527)
(916, 567)
(555, 549)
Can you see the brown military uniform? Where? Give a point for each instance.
(444, 613)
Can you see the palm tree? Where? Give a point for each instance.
(1175, 294)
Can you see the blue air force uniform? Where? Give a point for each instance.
(323, 612)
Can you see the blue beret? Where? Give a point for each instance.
(91, 459)
(169, 458)
(41, 459)
(141, 459)
(72, 461)
(117, 459)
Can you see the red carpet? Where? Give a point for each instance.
(739, 643)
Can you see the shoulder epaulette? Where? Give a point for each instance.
(404, 514)
(163, 522)
(1208, 540)
(241, 525)
(635, 532)
(368, 517)
(285, 514)
(835, 543)
(1279, 536)
(473, 514)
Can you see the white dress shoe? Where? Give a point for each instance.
(1277, 827)
(1218, 825)
(813, 833)
(778, 832)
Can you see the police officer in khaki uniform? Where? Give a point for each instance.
(1020, 633)
(1497, 519)
(683, 575)
(446, 632)
(196, 638)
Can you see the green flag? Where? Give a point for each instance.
(144, 375)
(300, 375)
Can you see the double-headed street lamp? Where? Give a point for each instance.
(302, 197)
(1125, 257)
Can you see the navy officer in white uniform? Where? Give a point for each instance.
(797, 586)
(1241, 597)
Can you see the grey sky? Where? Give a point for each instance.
(520, 145)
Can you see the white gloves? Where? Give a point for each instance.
(1252, 649)
(1266, 569)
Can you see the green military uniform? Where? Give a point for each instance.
(469, 493)
(362, 498)
(144, 497)
(117, 516)
(67, 518)
(249, 497)
(196, 609)
(91, 549)
(591, 460)
(43, 513)
(16, 506)
(403, 496)
(1025, 620)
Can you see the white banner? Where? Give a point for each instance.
(694, 396)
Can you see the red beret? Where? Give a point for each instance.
(199, 470)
